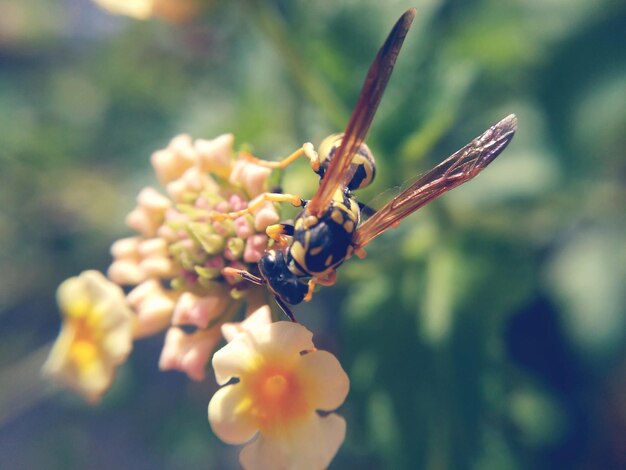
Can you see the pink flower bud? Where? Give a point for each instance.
(125, 247)
(153, 201)
(139, 220)
(168, 164)
(153, 247)
(126, 272)
(157, 266)
(153, 305)
(242, 227)
(255, 247)
(199, 311)
(265, 217)
(250, 176)
(189, 353)
(215, 156)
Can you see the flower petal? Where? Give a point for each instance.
(261, 316)
(232, 360)
(312, 447)
(327, 381)
(227, 415)
(283, 339)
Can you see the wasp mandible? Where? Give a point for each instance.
(328, 229)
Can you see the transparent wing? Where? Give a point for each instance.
(361, 119)
(460, 167)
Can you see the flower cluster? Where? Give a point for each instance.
(174, 269)
(177, 259)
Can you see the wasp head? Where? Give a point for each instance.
(281, 281)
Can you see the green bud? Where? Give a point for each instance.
(236, 246)
(203, 234)
(207, 273)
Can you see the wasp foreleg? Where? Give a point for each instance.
(257, 202)
(280, 232)
(306, 150)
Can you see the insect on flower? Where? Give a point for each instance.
(328, 230)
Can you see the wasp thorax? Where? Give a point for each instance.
(363, 165)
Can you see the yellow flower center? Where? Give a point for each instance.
(278, 397)
(85, 349)
(83, 353)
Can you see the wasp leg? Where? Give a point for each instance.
(228, 271)
(258, 202)
(285, 308)
(329, 280)
(280, 232)
(306, 150)
(309, 294)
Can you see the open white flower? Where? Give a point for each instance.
(170, 10)
(96, 335)
(282, 382)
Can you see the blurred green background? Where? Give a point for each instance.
(487, 332)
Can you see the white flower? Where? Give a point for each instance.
(282, 383)
(96, 335)
(261, 316)
(171, 10)
(139, 9)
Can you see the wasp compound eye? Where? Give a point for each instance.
(280, 279)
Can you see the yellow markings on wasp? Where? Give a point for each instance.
(328, 261)
(298, 253)
(316, 251)
(309, 221)
(338, 196)
(337, 216)
(348, 226)
(358, 159)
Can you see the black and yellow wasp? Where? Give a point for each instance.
(329, 230)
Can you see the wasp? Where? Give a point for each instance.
(329, 229)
